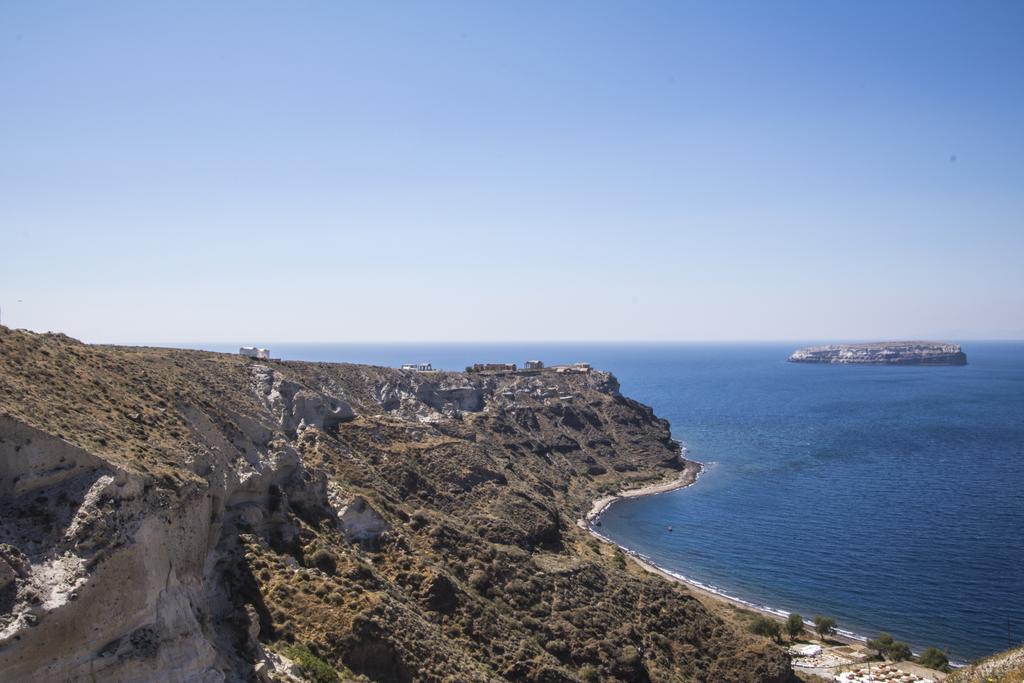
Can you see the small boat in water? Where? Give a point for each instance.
(670, 528)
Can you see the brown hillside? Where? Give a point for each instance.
(174, 515)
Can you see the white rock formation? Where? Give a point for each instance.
(356, 517)
(121, 583)
(112, 574)
(294, 404)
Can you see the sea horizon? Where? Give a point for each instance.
(232, 346)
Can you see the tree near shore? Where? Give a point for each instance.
(881, 644)
(767, 627)
(899, 651)
(886, 647)
(824, 625)
(934, 658)
(794, 625)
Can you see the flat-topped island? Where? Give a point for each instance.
(883, 353)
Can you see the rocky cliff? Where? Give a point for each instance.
(1004, 667)
(170, 515)
(883, 353)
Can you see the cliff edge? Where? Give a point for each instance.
(1003, 667)
(170, 515)
(883, 353)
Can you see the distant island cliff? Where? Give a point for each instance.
(883, 353)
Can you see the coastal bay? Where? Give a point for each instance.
(845, 491)
(851, 646)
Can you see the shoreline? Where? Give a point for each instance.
(687, 477)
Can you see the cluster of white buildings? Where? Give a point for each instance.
(492, 367)
(264, 354)
(575, 367)
(418, 367)
(530, 365)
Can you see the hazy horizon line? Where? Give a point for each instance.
(498, 342)
(653, 342)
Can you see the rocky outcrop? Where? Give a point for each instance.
(883, 353)
(1004, 667)
(420, 397)
(296, 405)
(359, 522)
(110, 573)
(184, 516)
(31, 459)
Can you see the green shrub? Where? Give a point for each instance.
(418, 520)
(313, 668)
(629, 657)
(824, 625)
(766, 626)
(479, 580)
(325, 561)
(899, 651)
(881, 644)
(557, 647)
(794, 625)
(934, 658)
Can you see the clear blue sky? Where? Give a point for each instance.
(331, 171)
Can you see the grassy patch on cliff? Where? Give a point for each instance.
(313, 668)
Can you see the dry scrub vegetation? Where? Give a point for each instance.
(481, 572)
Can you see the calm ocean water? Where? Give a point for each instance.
(889, 497)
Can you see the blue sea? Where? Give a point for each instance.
(891, 498)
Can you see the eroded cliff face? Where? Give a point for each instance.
(184, 516)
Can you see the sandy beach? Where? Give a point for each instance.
(689, 474)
